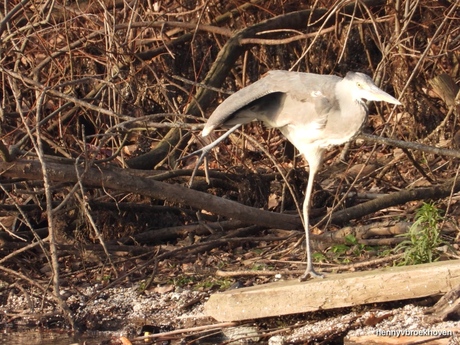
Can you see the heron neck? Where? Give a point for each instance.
(349, 106)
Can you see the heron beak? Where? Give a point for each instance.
(381, 96)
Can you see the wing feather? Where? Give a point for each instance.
(269, 98)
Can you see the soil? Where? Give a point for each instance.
(171, 307)
(178, 316)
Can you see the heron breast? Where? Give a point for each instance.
(304, 138)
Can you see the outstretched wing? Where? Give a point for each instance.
(279, 99)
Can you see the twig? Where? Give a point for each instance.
(188, 330)
(410, 145)
(40, 87)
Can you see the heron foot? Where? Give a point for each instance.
(310, 273)
(202, 153)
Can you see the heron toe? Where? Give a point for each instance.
(310, 273)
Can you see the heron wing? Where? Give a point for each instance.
(279, 99)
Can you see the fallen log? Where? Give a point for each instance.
(334, 291)
(123, 180)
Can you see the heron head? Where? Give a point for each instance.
(362, 86)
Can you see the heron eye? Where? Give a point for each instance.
(358, 84)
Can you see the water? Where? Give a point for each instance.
(35, 337)
(47, 337)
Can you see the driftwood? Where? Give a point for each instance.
(334, 291)
(447, 308)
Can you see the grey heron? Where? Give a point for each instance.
(314, 112)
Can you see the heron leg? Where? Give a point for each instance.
(314, 166)
(203, 152)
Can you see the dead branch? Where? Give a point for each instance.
(411, 145)
(399, 198)
(161, 235)
(444, 86)
(40, 87)
(447, 308)
(364, 231)
(122, 180)
(187, 330)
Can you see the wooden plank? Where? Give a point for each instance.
(334, 291)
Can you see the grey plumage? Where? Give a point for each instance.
(313, 111)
